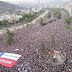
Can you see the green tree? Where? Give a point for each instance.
(4, 23)
(50, 21)
(52, 39)
(41, 22)
(43, 50)
(68, 20)
(49, 14)
(0, 24)
(67, 25)
(21, 20)
(58, 16)
(9, 37)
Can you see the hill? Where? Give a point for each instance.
(4, 6)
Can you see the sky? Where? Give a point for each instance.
(19, 0)
(12, 1)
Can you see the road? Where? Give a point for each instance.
(24, 25)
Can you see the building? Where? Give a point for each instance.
(70, 11)
(10, 17)
(68, 7)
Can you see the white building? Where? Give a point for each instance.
(36, 9)
(70, 11)
(10, 18)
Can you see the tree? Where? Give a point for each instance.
(43, 50)
(58, 16)
(52, 39)
(4, 23)
(8, 32)
(67, 25)
(50, 21)
(41, 22)
(52, 54)
(9, 38)
(21, 20)
(13, 21)
(0, 24)
(68, 20)
(49, 15)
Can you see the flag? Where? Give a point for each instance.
(8, 59)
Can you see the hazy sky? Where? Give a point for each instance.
(12, 1)
(19, 0)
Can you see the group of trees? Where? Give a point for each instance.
(27, 17)
(9, 37)
(44, 23)
(56, 12)
(67, 22)
(43, 48)
(41, 22)
(4, 23)
(49, 14)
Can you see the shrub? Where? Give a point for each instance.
(8, 39)
(50, 21)
(43, 50)
(4, 23)
(21, 20)
(43, 23)
(27, 24)
(54, 20)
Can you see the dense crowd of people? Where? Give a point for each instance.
(27, 43)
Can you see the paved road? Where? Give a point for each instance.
(21, 26)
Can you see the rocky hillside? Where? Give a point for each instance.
(4, 6)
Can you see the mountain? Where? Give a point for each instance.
(26, 4)
(4, 6)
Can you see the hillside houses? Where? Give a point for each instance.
(35, 9)
(10, 17)
(17, 14)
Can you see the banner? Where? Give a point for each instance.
(8, 59)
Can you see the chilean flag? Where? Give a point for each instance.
(8, 59)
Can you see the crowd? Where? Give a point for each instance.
(27, 44)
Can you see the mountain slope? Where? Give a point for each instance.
(4, 6)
